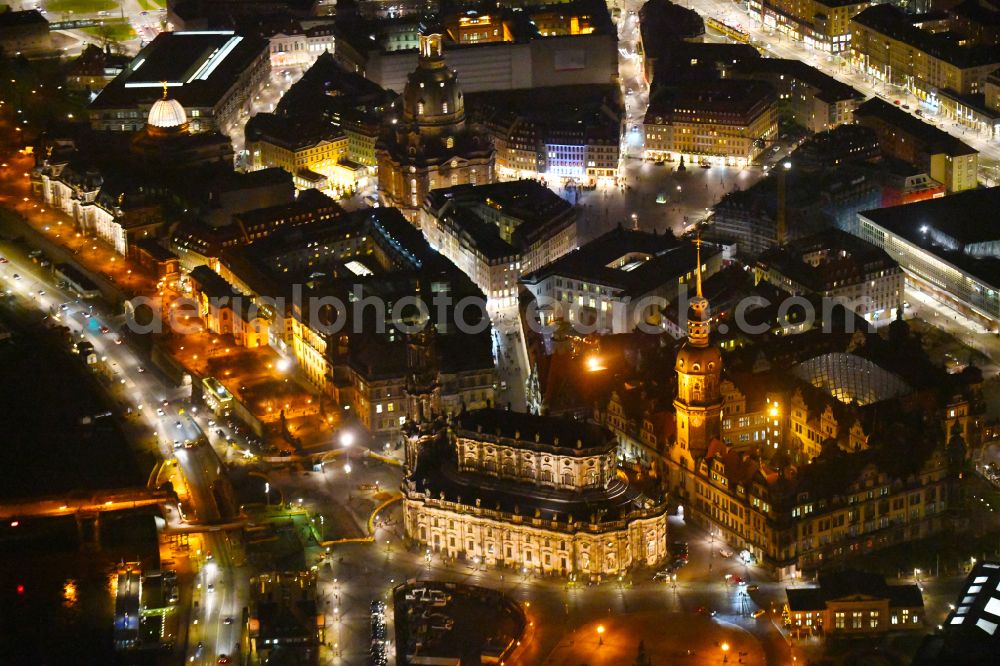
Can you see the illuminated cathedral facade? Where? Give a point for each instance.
(427, 143)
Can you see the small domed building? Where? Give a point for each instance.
(167, 140)
(426, 143)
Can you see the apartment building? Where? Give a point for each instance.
(726, 122)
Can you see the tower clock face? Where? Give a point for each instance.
(696, 421)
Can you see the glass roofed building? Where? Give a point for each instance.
(970, 633)
(850, 378)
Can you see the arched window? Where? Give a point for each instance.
(420, 108)
(444, 107)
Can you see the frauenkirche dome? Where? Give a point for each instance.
(432, 97)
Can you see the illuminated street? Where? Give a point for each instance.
(781, 46)
(200, 466)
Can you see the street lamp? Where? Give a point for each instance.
(600, 634)
(346, 440)
(267, 493)
(725, 652)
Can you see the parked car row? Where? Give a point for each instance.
(378, 654)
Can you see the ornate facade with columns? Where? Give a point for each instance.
(533, 493)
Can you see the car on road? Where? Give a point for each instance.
(87, 315)
(3, 260)
(41, 292)
(16, 276)
(228, 620)
(160, 412)
(178, 425)
(906, 107)
(757, 613)
(725, 552)
(223, 659)
(64, 307)
(702, 610)
(118, 341)
(211, 587)
(753, 588)
(897, 102)
(140, 369)
(666, 574)
(105, 330)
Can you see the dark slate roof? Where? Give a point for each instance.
(669, 259)
(893, 22)
(176, 56)
(830, 89)
(212, 283)
(724, 96)
(484, 235)
(18, 19)
(540, 211)
(591, 111)
(805, 599)
(291, 133)
(153, 248)
(436, 474)
(848, 583)
(550, 430)
(945, 225)
(937, 140)
(847, 257)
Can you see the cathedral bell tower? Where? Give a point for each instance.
(698, 404)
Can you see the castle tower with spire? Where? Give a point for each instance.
(698, 404)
